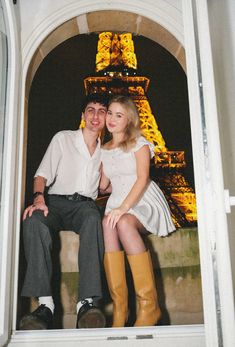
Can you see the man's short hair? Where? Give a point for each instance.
(100, 98)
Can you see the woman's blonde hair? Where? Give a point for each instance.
(133, 128)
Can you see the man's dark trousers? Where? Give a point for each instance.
(82, 217)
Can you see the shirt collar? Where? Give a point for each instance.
(82, 147)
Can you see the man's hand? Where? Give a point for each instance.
(37, 205)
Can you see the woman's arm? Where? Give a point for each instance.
(142, 172)
(139, 187)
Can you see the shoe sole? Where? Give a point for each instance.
(92, 319)
(32, 323)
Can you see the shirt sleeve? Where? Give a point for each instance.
(141, 141)
(49, 164)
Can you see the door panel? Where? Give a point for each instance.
(9, 59)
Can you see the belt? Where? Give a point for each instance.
(73, 197)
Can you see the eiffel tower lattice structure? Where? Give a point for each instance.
(117, 73)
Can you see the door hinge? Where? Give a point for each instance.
(229, 201)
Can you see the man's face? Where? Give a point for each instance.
(94, 116)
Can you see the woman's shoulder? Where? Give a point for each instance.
(142, 141)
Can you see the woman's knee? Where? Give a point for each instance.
(125, 222)
(127, 227)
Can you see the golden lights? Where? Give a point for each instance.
(116, 73)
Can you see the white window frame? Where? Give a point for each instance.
(8, 174)
(218, 302)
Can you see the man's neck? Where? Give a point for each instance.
(90, 138)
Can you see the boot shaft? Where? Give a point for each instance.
(114, 265)
(145, 289)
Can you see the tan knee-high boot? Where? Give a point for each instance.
(143, 276)
(114, 265)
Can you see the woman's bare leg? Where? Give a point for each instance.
(111, 241)
(129, 230)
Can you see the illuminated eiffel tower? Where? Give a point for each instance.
(116, 73)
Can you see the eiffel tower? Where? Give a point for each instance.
(117, 73)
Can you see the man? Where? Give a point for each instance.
(71, 170)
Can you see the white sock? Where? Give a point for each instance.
(81, 303)
(48, 301)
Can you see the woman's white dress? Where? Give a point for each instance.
(152, 210)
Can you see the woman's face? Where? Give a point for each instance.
(116, 118)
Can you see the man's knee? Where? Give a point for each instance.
(92, 216)
(91, 224)
(30, 222)
(37, 216)
(34, 225)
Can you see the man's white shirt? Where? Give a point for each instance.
(68, 166)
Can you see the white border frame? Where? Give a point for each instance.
(213, 238)
(176, 336)
(8, 174)
(219, 316)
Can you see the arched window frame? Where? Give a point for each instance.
(213, 238)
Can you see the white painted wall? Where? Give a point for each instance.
(49, 14)
(222, 30)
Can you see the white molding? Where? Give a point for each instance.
(202, 176)
(8, 174)
(178, 336)
(159, 11)
(213, 232)
(225, 304)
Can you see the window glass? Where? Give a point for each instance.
(3, 87)
(3, 72)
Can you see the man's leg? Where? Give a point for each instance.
(91, 252)
(37, 247)
(87, 223)
(37, 283)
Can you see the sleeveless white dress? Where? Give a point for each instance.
(152, 210)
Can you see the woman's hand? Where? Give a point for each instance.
(114, 215)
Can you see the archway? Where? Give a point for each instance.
(163, 25)
(68, 30)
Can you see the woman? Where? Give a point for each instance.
(135, 207)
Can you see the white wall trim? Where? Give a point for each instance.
(8, 174)
(218, 301)
(188, 335)
(226, 316)
(159, 11)
(202, 181)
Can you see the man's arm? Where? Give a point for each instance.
(38, 201)
(104, 185)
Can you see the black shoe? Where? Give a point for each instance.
(39, 319)
(90, 316)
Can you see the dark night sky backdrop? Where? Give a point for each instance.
(57, 89)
